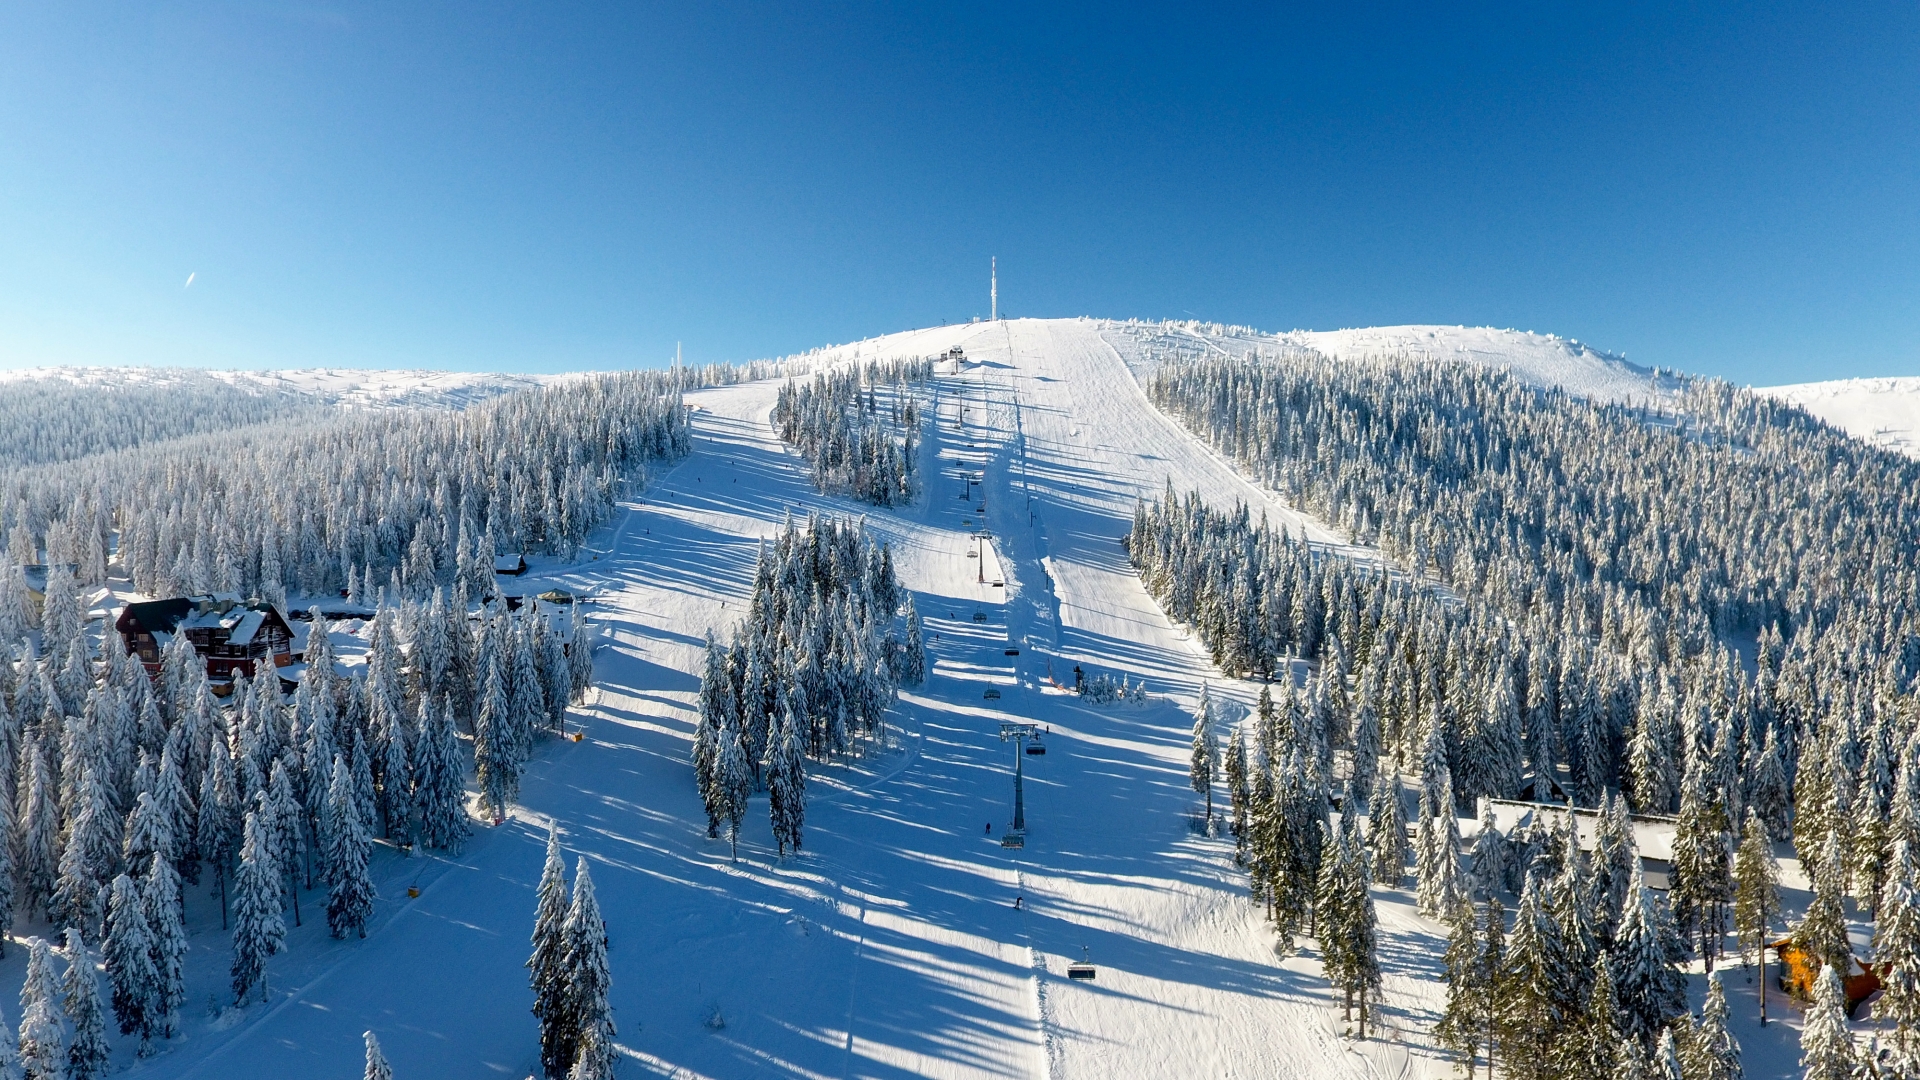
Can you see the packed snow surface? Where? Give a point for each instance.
(1884, 412)
(893, 946)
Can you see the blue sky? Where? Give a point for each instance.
(1733, 189)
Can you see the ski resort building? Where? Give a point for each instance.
(35, 575)
(230, 634)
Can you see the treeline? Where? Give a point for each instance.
(52, 419)
(320, 503)
(812, 668)
(858, 427)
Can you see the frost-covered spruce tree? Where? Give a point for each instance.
(43, 1033)
(1712, 1051)
(1204, 761)
(913, 665)
(1437, 857)
(289, 831)
(1387, 831)
(493, 745)
(80, 996)
(547, 969)
(349, 891)
(216, 832)
(128, 953)
(1756, 888)
(149, 832)
(1648, 985)
(11, 1067)
(93, 846)
(258, 931)
(588, 981)
(1826, 1045)
(732, 782)
(1486, 863)
(715, 713)
(377, 1067)
(1239, 792)
(787, 787)
(1823, 931)
(443, 781)
(160, 902)
(1535, 975)
(579, 657)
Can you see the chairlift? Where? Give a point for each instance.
(979, 616)
(1083, 971)
(1036, 747)
(1013, 652)
(992, 694)
(1013, 840)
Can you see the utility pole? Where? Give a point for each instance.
(993, 285)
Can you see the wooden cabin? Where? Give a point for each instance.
(35, 575)
(510, 565)
(233, 636)
(1798, 970)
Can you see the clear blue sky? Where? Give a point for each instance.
(1732, 189)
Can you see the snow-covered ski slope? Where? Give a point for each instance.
(892, 947)
(1884, 412)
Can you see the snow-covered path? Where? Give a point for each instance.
(893, 947)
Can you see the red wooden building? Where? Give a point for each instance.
(230, 634)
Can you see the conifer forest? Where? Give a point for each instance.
(1026, 697)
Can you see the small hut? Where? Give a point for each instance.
(1798, 969)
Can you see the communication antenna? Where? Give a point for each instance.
(993, 285)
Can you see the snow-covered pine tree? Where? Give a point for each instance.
(1756, 889)
(1896, 944)
(43, 1033)
(93, 846)
(1486, 864)
(547, 970)
(1665, 1064)
(160, 901)
(732, 781)
(349, 891)
(787, 787)
(1204, 760)
(128, 953)
(258, 931)
(1823, 931)
(1826, 1044)
(493, 744)
(1387, 831)
(913, 665)
(87, 1051)
(442, 791)
(1701, 868)
(377, 1067)
(588, 982)
(11, 1067)
(215, 832)
(289, 831)
(1712, 1052)
(1461, 1028)
(1646, 984)
(1239, 792)
(714, 713)
(1531, 1023)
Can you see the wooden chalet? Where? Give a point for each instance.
(1798, 970)
(35, 575)
(511, 565)
(232, 635)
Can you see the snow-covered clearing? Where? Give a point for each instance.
(892, 948)
(1884, 412)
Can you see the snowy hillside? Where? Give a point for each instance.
(331, 386)
(1885, 412)
(894, 946)
(1538, 359)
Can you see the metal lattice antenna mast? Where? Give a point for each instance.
(993, 285)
